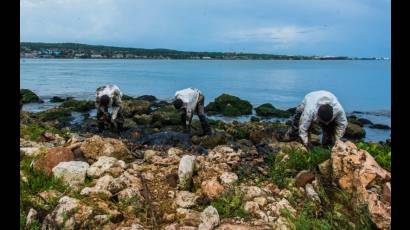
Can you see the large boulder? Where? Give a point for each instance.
(78, 105)
(132, 107)
(57, 99)
(28, 96)
(71, 172)
(354, 131)
(96, 146)
(59, 114)
(229, 105)
(149, 98)
(52, 158)
(268, 110)
(356, 172)
(185, 171)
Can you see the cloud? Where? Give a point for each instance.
(280, 37)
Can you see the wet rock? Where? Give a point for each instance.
(102, 165)
(255, 119)
(71, 172)
(149, 98)
(164, 139)
(268, 110)
(364, 121)
(70, 213)
(56, 99)
(355, 171)
(354, 131)
(228, 178)
(97, 146)
(52, 158)
(379, 126)
(185, 171)
(304, 177)
(209, 218)
(212, 188)
(311, 193)
(28, 96)
(211, 141)
(77, 105)
(229, 105)
(186, 199)
(143, 119)
(132, 107)
(59, 114)
(166, 115)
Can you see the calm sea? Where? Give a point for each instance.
(359, 85)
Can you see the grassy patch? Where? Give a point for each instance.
(35, 131)
(380, 152)
(335, 212)
(37, 181)
(230, 205)
(284, 169)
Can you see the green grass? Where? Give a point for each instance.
(380, 152)
(335, 212)
(37, 181)
(35, 131)
(281, 171)
(230, 205)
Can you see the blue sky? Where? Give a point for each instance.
(315, 27)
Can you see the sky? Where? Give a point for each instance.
(359, 28)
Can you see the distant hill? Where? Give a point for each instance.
(77, 50)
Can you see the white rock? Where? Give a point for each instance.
(71, 172)
(252, 192)
(261, 201)
(185, 171)
(31, 217)
(30, 151)
(186, 199)
(251, 207)
(228, 178)
(209, 218)
(149, 154)
(101, 166)
(311, 193)
(129, 193)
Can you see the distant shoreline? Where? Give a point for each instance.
(84, 51)
(188, 59)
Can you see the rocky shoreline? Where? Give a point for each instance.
(153, 176)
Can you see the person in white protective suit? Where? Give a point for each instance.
(109, 96)
(190, 101)
(324, 108)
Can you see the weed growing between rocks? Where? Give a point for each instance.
(230, 205)
(284, 166)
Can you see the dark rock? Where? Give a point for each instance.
(304, 177)
(196, 140)
(214, 140)
(126, 97)
(291, 111)
(56, 99)
(28, 96)
(149, 98)
(364, 121)
(52, 158)
(132, 107)
(265, 149)
(354, 131)
(229, 105)
(158, 104)
(129, 123)
(255, 119)
(59, 114)
(78, 105)
(201, 150)
(172, 179)
(268, 110)
(379, 126)
(163, 139)
(166, 115)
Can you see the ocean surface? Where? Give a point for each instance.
(359, 85)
